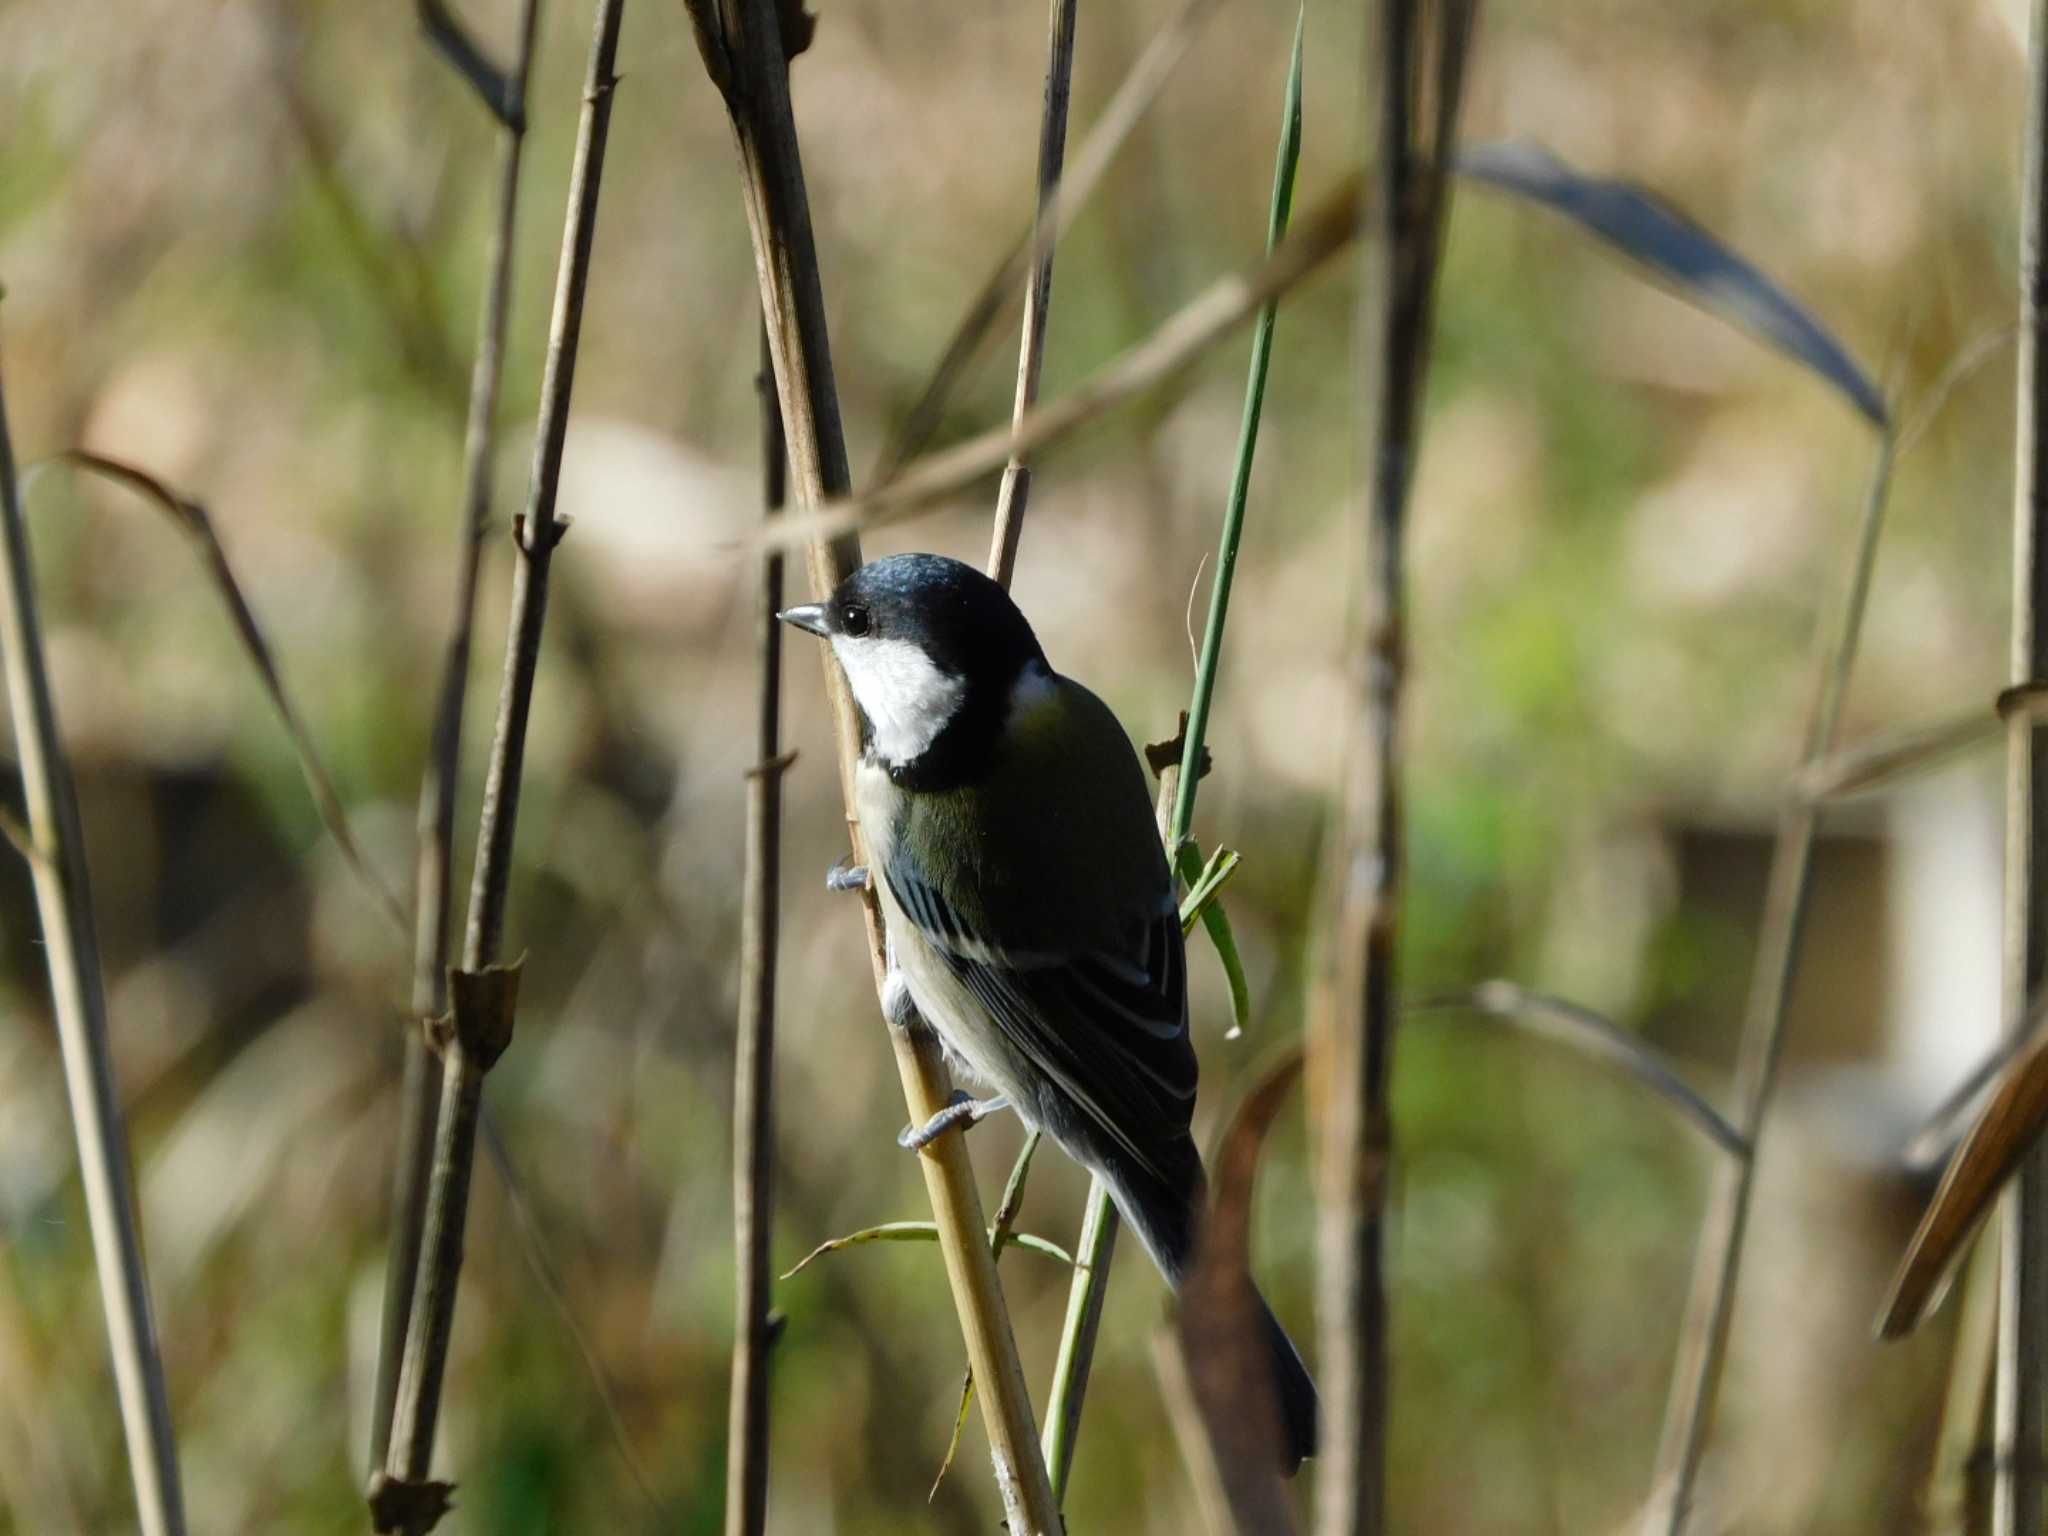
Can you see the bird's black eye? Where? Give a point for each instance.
(853, 620)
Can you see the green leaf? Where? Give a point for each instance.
(1204, 890)
(918, 1232)
(1216, 923)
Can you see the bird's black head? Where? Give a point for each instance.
(933, 650)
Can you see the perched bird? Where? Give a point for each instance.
(1032, 916)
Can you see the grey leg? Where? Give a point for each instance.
(963, 1111)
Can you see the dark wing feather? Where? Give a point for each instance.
(1108, 1030)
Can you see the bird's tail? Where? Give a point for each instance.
(1299, 1409)
(1165, 1221)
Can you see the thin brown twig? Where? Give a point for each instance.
(1601, 1039)
(1226, 304)
(397, 276)
(1015, 492)
(192, 519)
(753, 1125)
(747, 56)
(1354, 1043)
(1133, 98)
(420, 1086)
(1710, 1307)
(484, 993)
(78, 999)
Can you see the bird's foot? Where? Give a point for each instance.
(962, 1111)
(846, 875)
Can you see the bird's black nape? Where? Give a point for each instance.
(965, 622)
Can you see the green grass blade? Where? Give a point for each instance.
(1288, 158)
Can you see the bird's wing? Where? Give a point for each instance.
(1109, 1028)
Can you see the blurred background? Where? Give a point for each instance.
(242, 245)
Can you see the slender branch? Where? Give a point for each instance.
(1133, 98)
(2019, 1493)
(502, 91)
(748, 57)
(1176, 808)
(420, 1088)
(1710, 1308)
(193, 520)
(1588, 1033)
(1354, 1044)
(484, 994)
(78, 999)
(1052, 154)
(1198, 325)
(753, 1126)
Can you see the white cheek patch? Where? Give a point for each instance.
(908, 700)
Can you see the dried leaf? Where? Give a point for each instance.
(1223, 1345)
(1704, 270)
(2002, 1135)
(190, 516)
(1590, 1035)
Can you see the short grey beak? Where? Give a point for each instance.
(810, 616)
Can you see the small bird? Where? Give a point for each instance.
(1032, 917)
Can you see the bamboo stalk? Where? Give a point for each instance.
(420, 1087)
(745, 52)
(485, 995)
(1354, 1043)
(753, 1128)
(1711, 1305)
(1015, 492)
(78, 1000)
(2017, 1489)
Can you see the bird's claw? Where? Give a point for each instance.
(846, 876)
(962, 1110)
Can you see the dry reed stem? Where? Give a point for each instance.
(485, 995)
(753, 1127)
(1133, 98)
(78, 1000)
(1015, 493)
(1710, 1306)
(744, 51)
(1353, 1044)
(420, 1087)
(1179, 342)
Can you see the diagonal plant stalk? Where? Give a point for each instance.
(1354, 1042)
(420, 1088)
(1710, 1307)
(747, 55)
(78, 1000)
(484, 993)
(1097, 1242)
(1134, 97)
(1184, 337)
(1015, 491)
(753, 1126)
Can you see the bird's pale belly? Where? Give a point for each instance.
(976, 1049)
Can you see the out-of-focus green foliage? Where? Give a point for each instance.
(242, 246)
